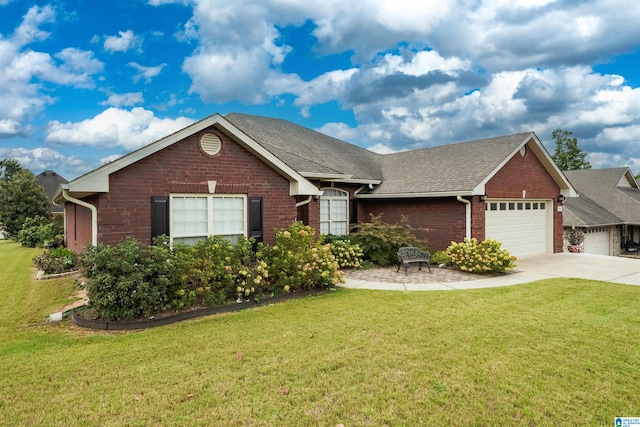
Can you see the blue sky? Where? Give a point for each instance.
(83, 82)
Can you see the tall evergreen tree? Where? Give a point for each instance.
(8, 168)
(568, 156)
(21, 197)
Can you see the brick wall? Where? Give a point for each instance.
(439, 221)
(126, 210)
(526, 173)
(78, 225)
(446, 217)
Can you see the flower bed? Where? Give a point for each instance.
(133, 280)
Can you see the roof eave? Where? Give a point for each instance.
(433, 194)
(97, 181)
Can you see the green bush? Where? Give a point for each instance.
(214, 271)
(128, 280)
(440, 257)
(347, 254)
(295, 262)
(380, 241)
(485, 257)
(39, 231)
(56, 260)
(132, 279)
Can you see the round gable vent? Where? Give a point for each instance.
(211, 143)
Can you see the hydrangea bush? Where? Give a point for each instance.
(485, 257)
(132, 279)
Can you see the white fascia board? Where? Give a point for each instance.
(346, 179)
(415, 195)
(97, 181)
(631, 178)
(566, 189)
(325, 176)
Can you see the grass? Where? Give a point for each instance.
(554, 352)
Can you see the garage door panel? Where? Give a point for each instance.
(521, 226)
(596, 241)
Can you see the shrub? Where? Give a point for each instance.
(574, 236)
(347, 254)
(380, 241)
(132, 279)
(128, 280)
(485, 257)
(214, 271)
(39, 231)
(295, 262)
(440, 257)
(56, 260)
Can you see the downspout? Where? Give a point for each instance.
(94, 214)
(468, 215)
(304, 202)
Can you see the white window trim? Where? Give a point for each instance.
(344, 197)
(210, 198)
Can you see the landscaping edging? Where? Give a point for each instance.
(41, 276)
(113, 325)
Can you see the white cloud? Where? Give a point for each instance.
(39, 159)
(124, 99)
(146, 73)
(24, 72)
(115, 128)
(124, 41)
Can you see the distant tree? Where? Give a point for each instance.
(568, 156)
(21, 197)
(8, 168)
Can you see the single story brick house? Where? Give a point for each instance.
(246, 175)
(607, 209)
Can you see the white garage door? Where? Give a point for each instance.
(522, 226)
(596, 241)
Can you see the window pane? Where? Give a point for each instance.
(227, 215)
(324, 210)
(189, 216)
(339, 228)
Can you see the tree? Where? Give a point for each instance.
(21, 198)
(8, 168)
(568, 156)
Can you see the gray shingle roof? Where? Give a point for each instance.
(308, 151)
(601, 199)
(456, 167)
(50, 181)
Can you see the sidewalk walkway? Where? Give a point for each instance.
(529, 269)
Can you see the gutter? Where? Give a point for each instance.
(94, 214)
(468, 215)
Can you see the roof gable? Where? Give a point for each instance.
(613, 190)
(458, 169)
(97, 181)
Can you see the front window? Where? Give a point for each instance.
(334, 209)
(196, 217)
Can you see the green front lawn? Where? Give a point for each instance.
(555, 352)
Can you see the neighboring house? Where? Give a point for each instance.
(51, 181)
(607, 209)
(246, 175)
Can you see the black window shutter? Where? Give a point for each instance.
(255, 218)
(159, 216)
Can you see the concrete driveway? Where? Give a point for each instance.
(583, 266)
(529, 269)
